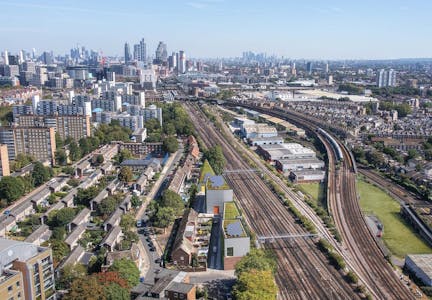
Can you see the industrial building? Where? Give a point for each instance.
(258, 130)
(258, 141)
(26, 271)
(421, 266)
(285, 151)
(285, 165)
(299, 176)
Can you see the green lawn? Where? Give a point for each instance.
(205, 169)
(231, 211)
(399, 237)
(315, 190)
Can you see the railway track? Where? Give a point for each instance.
(382, 281)
(303, 271)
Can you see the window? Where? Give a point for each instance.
(175, 295)
(10, 288)
(17, 283)
(230, 251)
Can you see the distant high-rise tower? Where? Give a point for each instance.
(327, 68)
(143, 50)
(140, 51)
(182, 62)
(172, 61)
(386, 78)
(6, 57)
(161, 52)
(127, 53)
(309, 67)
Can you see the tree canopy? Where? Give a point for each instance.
(255, 285)
(40, 174)
(125, 174)
(11, 188)
(173, 200)
(216, 158)
(127, 270)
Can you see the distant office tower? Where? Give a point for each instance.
(47, 58)
(172, 61)
(21, 56)
(182, 62)
(6, 57)
(33, 53)
(161, 52)
(386, 78)
(140, 51)
(309, 67)
(327, 68)
(27, 271)
(127, 53)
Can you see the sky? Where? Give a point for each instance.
(313, 29)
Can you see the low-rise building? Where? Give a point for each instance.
(81, 218)
(236, 241)
(285, 151)
(113, 237)
(96, 201)
(113, 220)
(299, 176)
(285, 165)
(74, 236)
(141, 183)
(217, 193)
(257, 141)
(421, 266)
(39, 236)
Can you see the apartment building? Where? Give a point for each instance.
(38, 142)
(4, 161)
(74, 126)
(26, 271)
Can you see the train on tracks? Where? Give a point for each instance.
(336, 148)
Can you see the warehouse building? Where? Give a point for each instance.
(285, 165)
(421, 266)
(285, 151)
(258, 141)
(258, 130)
(299, 176)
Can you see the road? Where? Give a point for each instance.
(151, 266)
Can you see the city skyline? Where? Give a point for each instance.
(218, 28)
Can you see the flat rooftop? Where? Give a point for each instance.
(423, 261)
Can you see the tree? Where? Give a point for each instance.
(73, 182)
(68, 170)
(22, 160)
(59, 248)
(255, 285)
(127, 222)
(170, 144)
(375, 158)
(412, 153)
(69, 273)
(75, 153)
(62, 217)
(127, 270)
(173, 200)
(109, 277)
(99, 160)
(58, 233)
(84, 196)
(11, 188)
(115, 292)
(61, 157)
(164, 217)
(216, 159)
(107, 206)
(40, 173)
(87, 288)
(125, 174)
(124, 154)
(136, 201)
(260, 260)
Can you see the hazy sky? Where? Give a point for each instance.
(329, 29)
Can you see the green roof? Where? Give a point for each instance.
(206, 171)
